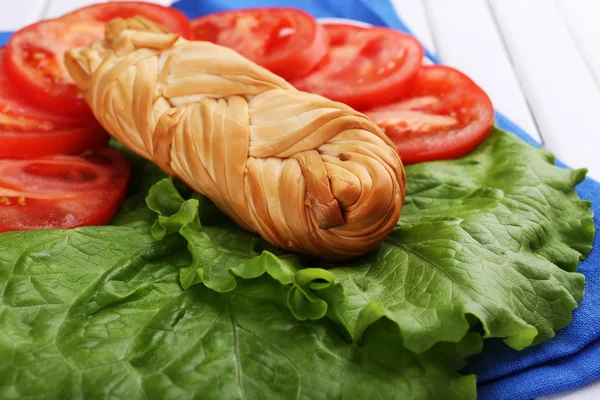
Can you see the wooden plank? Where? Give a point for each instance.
(558, 84)
(13, 16)
(581, 17)
(60, 7)
(414, 15)
(478, 50)
(591, 391)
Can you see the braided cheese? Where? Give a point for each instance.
(308, 174)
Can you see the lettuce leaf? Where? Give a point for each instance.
(493, 238)
(176, 301)
(99, 312)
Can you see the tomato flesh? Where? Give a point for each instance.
(287, 41)
(62, 191)
(27, 131)
(445, 115)
(365, 67)
(35, 53)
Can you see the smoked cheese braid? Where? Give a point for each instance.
(308, 174)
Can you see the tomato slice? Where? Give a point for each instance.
(35, 53)
(171, 18)
(287, 41)
(365, 67)
(27, 131)
(444, 116)
(62, 191)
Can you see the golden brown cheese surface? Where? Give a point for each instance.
(308, 174)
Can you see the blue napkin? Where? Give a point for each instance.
(4, 37)
(569, 360)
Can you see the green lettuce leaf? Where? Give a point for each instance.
(493, 238)
(176, 301)
(99, 312)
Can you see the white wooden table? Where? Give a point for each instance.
(538, 60)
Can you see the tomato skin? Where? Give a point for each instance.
(27, 131)
(62, 191)
(444, 116)
(35, 53)
(21, 145)
(170, 18)
(365, 67)
(261, 35)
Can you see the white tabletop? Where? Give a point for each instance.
(537, 59)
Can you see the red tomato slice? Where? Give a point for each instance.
(62, 191)
(287, 41)
(171, 18)
(444, 116)
(35, 53)
(365, 67)
(27, 131)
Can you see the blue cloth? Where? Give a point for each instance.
(572, 358)
(4, 36)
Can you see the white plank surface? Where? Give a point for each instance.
(414, 15)
(14, 15)
(590, 391)
(538, 59)
(57, 8)
(581, 17)
(561, 90)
